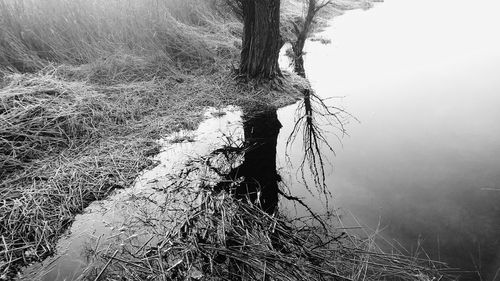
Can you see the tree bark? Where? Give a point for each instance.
(261, 39)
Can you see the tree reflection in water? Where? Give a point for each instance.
(314, 121)
(257, 176)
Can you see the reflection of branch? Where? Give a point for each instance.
(314, 138)
(298, 200)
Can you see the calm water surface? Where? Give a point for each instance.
(423, 78)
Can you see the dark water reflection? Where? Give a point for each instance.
(256, 178)
(261, 128)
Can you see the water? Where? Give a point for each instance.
(423, 164)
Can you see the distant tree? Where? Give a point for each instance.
(302, 29)
(261, 38)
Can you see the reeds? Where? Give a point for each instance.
(79, 32)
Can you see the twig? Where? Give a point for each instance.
(106, 266)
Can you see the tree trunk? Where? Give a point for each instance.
(261, 39)
(298, 61)
(302, 33)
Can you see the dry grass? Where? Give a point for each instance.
(40, 114)
(62, 145)
(225, 239)
(41, 201)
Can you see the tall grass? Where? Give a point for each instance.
(33, 32)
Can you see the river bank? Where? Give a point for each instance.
(74, 132)
(181, 220)
(79, 152)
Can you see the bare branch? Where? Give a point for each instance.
(321, 6)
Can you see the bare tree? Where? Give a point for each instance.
(302, 30)
(261, 38)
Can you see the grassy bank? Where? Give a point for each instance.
(65, 144)
(86, 87)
